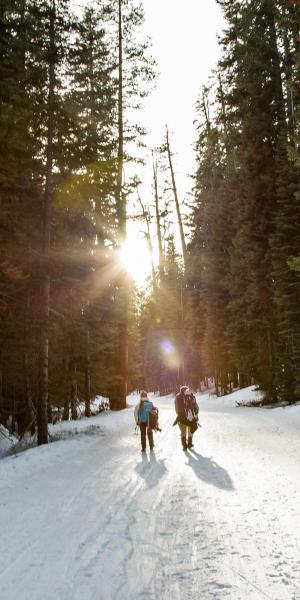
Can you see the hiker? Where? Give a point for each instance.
(187, 415)
(141, 414)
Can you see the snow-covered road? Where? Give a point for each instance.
(91, 518)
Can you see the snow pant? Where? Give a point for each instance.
(145, 429)
(186, 435)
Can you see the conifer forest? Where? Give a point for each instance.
(220, 301)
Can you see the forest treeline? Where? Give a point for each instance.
(71, 76)
(243, 276)
(227, 305)
(231, 305)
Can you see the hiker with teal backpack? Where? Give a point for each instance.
(146, 417)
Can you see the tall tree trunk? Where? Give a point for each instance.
(182, 373)
(66, 410)
(179, 217)
(145, 215)
(2, 418)
(29, 422)
(224, 116)
(158, 227)
(118, 397)
(184, 255)
(74, 396)
(88, 375)
(205, 107)
(30, 416)
(45, 291)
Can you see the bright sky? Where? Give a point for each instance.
(185, 46)
(184, 36)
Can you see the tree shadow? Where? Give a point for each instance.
(151, 469)
(208, 470)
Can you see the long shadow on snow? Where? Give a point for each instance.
(150, 469)
(208, 470)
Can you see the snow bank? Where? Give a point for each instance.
(243, 396)
(97, 405)
(7, 441)
(280, 416)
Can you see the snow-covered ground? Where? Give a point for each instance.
(91, 518)
(7, 441)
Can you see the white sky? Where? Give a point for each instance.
(185, 46)
(184, 36)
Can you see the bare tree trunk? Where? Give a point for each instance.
(145, 215)
(182, 344)
(184, 252)
(66, 408)
(65, 416)
(14, 412)
(1, 391)
(216, 383)
(179, 217)
(74, 397)
(234, 377)
(45, 291)
(205, 106)
(223, 107)
(30, 415)
(29, 419)
(88, 376)
(118, 397)
(158, 227)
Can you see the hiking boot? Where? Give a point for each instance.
(190, 444)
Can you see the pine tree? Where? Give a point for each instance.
(22, 96)
(208, 272)
(245, 183)
(256, 93)
(133, 66)
(285, 242)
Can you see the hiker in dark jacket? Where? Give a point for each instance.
(141, 415)
(187, 415)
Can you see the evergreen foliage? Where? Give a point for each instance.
(243, 254)
(228, 309)
(59, 144)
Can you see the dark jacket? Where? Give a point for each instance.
(182, 405)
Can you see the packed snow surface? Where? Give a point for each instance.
(90, 517)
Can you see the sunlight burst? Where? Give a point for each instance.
(136, 258)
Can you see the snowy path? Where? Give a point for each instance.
(90, 518)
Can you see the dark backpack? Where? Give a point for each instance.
(153, 419)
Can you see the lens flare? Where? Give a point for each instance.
(167, 347)
(170, 354)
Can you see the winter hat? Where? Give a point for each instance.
(187, 391)
(183, 388)
(144, 394)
